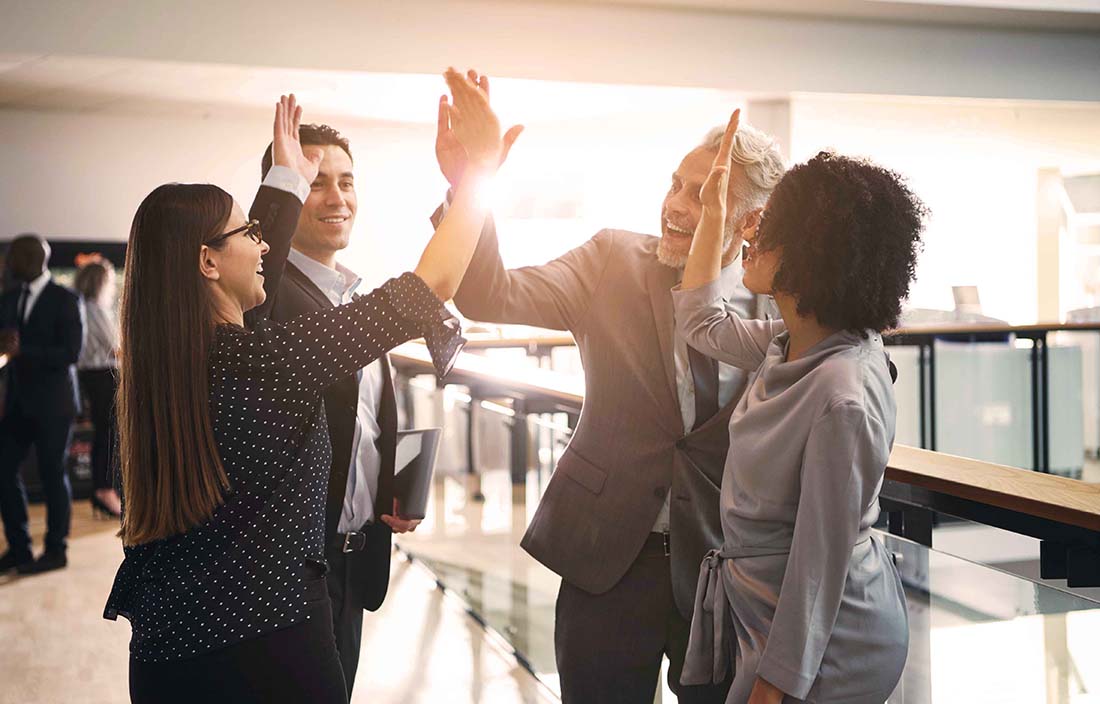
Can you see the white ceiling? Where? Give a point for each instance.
(1066, 15)
(129, 86)
(47, 78)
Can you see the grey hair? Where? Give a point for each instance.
(758, 153)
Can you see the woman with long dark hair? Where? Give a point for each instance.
(803, 602)
(97, 370)
(223, 440)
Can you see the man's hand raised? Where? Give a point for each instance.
(286, 147)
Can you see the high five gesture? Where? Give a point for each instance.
(286, 147)
(477, 130)
(705, 261)
(449, 151)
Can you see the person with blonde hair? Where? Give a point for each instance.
(97, 370)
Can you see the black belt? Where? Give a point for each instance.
(350, 542)
(657, 544)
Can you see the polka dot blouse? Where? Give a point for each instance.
(240, 574)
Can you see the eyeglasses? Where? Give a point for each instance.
(251, 229)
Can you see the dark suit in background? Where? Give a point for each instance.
(40, 403)
(359, 578)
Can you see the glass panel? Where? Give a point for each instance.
(977, 634)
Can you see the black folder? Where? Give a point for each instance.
(414, 465)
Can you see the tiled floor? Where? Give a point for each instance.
(978, 635)
(421, 646)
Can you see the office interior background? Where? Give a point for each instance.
(991, 109)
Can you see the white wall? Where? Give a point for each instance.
(81, 176)
(976, 165)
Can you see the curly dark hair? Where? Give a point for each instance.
(850, 233)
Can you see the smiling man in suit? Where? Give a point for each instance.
(361, 514)
(633, 504)
(42, 332)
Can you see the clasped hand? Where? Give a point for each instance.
(398, 524)
(9, 342)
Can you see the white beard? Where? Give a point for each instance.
(669, 258)
(677, 260)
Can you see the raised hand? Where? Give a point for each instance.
(715, 189)
(449, 151)
(286, 147)
(704, 262)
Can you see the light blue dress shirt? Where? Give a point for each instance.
(339, 286)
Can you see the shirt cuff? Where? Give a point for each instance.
(287, 179)
(442, 332)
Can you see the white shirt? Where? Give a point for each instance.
(36, 287)
(731, 380)
(101, 338)
(339, 286)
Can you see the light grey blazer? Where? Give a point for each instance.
(630, 447)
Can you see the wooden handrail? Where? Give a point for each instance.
(472, 369)
(1045, 496)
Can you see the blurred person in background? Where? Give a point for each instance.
(97, 369)
(41, 331)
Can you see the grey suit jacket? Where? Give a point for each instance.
(630, 447)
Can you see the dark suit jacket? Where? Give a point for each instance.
(288, 296)
(42, 377)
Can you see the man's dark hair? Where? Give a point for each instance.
(316, 135)
(850, 233)
(27, 257)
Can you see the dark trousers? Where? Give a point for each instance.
(293, 665)
(347, 616)
(609, 646)
(99, 387)
(50, 437)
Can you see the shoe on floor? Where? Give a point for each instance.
(12, 561)
(46, 562)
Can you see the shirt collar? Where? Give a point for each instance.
(38, 283)
(340, 281)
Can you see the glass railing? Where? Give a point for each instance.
(978, 634)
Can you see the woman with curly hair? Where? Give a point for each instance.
(803, 601)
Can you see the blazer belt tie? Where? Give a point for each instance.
(712, 648)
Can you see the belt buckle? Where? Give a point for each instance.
(347, 542)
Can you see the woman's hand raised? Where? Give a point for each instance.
(473, 121)
(286, 147)
(715, 189)
(704, 262)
